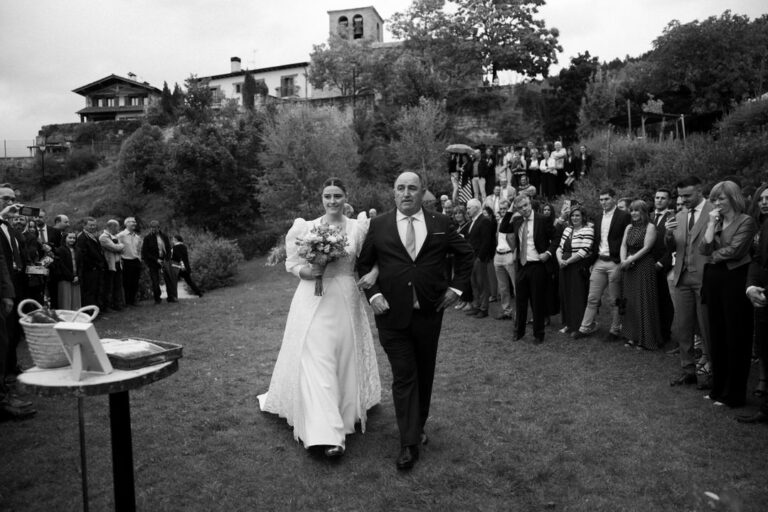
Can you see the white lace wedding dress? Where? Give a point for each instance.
(326, 376)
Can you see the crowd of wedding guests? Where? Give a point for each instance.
(684, 271)
(66, 266)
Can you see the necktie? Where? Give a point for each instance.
(17, 263)
(691, 220)
(524, 243)
(410, 238)
(658, 216)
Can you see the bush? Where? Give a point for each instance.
(747, 118)
(142, 158)
(261, 242)
(79, 162)
(214, 260)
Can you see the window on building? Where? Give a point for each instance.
(287, 86)
(357, 27)
(239, 88)
(343, 27)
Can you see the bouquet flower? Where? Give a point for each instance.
(323, 244)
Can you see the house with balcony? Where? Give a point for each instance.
(116, 98)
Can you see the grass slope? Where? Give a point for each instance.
(576, 426)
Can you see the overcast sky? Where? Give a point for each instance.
(49, 47)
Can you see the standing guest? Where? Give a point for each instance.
(493, 289)
(12, 244)
(727, 242)
(535, 244)
(409, 298)
(478, 191)
(131, 259)
(757, 281)
(504, 263)
(570, 171)
(372, 213)
(447, 209)
(534, 174)
(19, 223)
(93, 263)
(585, 162)
(623, 204)
(461, 222)
(33, 253)
(480, 235)
(559, 154)
(112, 284)
(156, 254)
(759, 212)
(506, 191)
(61, 224)
(487, 173)
(47, 234)
(526, 188)
(492, 201)
(443, 199)
(69, 264)
(663, 258)
(462, 182)
(606, 255)
(679, 204)
(548, 174)
(502, 164)
(684, 234)
(517, 168)
(349, 211)
(573, 255)
(641, 321)
(553, 292)
(180, 262)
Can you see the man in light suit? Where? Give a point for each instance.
(410, 245)
(684, 233)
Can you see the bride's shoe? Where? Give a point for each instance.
(334, 451)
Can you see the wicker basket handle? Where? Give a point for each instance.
(25, 302)
(85, 310)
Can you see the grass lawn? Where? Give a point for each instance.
(567, 425)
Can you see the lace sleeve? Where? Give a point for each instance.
(293, 262)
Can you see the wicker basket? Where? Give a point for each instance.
(44, 345)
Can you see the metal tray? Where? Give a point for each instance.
(168, 352)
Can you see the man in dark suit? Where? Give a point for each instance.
(156, 255)
(606, 247)
(535, 244)
(757, 281)
(481, 239)
(52, 237)
(663, 256)
(92, 258)
(14, 256)
(410, 245)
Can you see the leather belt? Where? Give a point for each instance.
(503, 252)
(604, 258)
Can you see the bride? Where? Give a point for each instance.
(326, 376)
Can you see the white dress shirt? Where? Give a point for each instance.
(419, 228)
(605, 227)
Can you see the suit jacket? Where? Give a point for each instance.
(179, 254)
(758, 268)
(481, 238)
(18, 279)
(399, 275)
(7, 290)
(544, 237)
(64, 269)
(150, 252)
(90, 252)
(112, 249)
(676, 242)
(619, 223)
(54, 236)
(661, 253)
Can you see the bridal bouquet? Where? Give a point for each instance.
(323, 244)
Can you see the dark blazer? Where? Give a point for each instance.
(7, 290)
(661, 253)
(544, 238)
(150, 252)
(399, 275)
(17, 278)
(90, 253)
(54, 236)
(619, 223)
(481, 238)
(63, 261)
(758, 268)
(179, 254)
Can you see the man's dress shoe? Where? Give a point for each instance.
(408, 457)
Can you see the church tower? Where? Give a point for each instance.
(362, 23)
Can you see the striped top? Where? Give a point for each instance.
(581, 244)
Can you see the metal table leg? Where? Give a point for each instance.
(122, 451)
(83, 465)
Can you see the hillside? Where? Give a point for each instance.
(98, 194)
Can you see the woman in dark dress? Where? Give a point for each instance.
(727, 241)
(641, 320)
(462, 222)
(180, 263)
(574, 261)
(553, 292)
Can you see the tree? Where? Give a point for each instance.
(304, 146)
(197, 100)
(347, 65)
(562, 104)
(142, 159)
(710, 65)
(249, 91)
(495, 34)
(420, 143)
(597, 106)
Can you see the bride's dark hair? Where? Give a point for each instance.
(335, 182)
